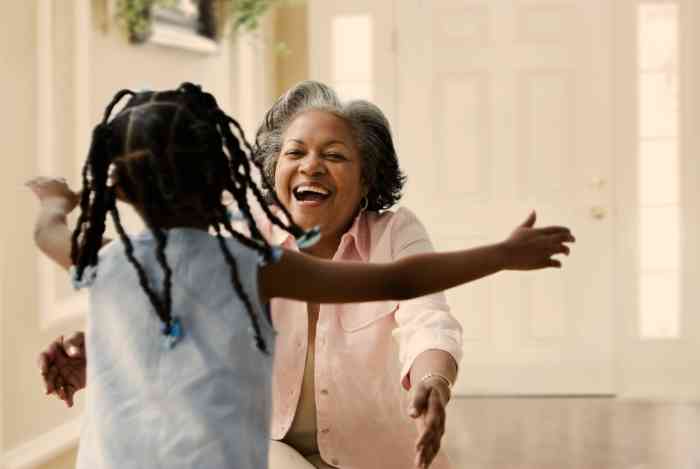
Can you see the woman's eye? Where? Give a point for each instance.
(335, 156)
(293, 153)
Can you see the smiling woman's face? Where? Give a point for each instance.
(318, 177)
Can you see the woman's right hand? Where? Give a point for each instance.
(529, 248)
(63, 366)
(54, 190)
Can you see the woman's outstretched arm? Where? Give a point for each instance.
(51, 233)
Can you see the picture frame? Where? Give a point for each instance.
(187, 24)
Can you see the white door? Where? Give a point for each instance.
(658, 197)
(501, 107)
(352, 48)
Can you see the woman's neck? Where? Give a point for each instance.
(328, 245)
(325, 248)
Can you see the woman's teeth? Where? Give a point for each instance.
(304, 192)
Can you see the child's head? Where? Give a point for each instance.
(170, 154)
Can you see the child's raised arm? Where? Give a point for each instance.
(301, 277)
(51, 232)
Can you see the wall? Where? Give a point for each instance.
(291, 29)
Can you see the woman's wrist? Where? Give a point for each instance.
(441, 383)
(56, 205)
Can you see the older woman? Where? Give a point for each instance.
(341, 372)
(339, 375)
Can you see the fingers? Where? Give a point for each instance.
(428, 443)
(419, 403)
(43, 361)
(39, 180)
(69, 392)
(557, 246)
(35, 181)
(46, 361)
(529, 221)
(74, 346)
(434, 420)
(561, 249)
(559, 234)
(44, 187)
(566, 237)
(46, 370)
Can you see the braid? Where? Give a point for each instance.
(84, 207)
(117, 97)
(244, 239)
(232, 144)
(222, 121)
(162, 240)
(236, 281)
(93, 210)
(143, 279)
(92, 219)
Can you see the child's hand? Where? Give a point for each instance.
(63, 366)
(54, 191)
(529, 248)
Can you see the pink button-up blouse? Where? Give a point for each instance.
(364, 352)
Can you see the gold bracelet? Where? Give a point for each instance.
(430, 374)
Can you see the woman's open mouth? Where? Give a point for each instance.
(310, 195)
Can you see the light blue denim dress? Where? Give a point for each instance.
(203, 404)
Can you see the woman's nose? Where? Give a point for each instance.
(312, 165)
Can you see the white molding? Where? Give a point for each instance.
(82, 12)
(254, 74)
(62, 312)
(173, 36)
(45, 133)
(2, 336)
(43, 448)
(54, 311)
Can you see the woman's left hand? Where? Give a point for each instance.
(427, 407)
(54, 190)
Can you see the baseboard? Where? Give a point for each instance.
(44, 447)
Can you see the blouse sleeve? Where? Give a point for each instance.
(424, 323)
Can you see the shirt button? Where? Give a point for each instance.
(324, 392)
(325, 430)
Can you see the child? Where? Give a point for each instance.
(201, 398)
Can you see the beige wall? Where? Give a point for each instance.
(62, 461)
(25, 410)
(291, 29)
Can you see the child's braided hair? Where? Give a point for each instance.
(162, 149)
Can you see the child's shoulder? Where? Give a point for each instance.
(200, 250)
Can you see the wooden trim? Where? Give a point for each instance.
(54, 311)
(172, 36)
(43, 448)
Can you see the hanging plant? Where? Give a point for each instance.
(246, 14)
(135, 16)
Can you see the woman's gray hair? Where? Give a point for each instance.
(380, 168)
